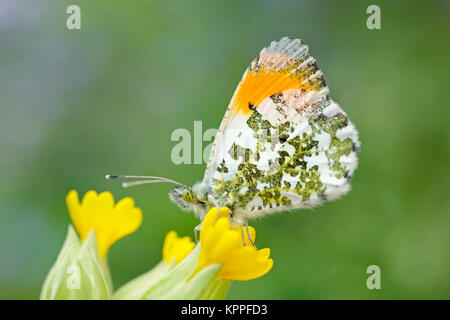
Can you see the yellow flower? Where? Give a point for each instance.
(222, 244)
(176, 248)
(109, 221)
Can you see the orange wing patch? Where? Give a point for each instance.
(260, 84)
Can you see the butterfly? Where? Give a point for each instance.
(283, 143)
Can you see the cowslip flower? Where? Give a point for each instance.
(205, 271)
(187, 271)
(223, 244)
(81, 270)
(98, 212)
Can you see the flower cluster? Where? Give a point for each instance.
(187, 271)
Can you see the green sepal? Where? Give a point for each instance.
(136, 288)
(78, 273)
(216, 289)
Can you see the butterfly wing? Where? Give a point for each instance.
(283, 143)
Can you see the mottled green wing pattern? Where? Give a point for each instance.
(312, 162)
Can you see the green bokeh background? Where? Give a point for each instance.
(75, 105)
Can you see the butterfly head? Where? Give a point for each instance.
(189, 200)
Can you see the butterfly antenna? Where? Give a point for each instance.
(152, 179)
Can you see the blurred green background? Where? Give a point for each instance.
(75, 105)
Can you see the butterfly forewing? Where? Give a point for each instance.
(283, 143)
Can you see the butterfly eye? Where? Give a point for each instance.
(188, 196)
(283, 138)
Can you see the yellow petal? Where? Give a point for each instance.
(245, 265)
(176, 248)
(209, 220)
(221, 243)
(252, 234)
(224, 212)
(226, 245)
(109, 221)
(264, 253)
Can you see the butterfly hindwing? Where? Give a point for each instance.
(283, 143)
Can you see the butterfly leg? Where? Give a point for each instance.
(212, 200)
(235, 221)
(242, 234)
(196, 230)
(249, 236)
